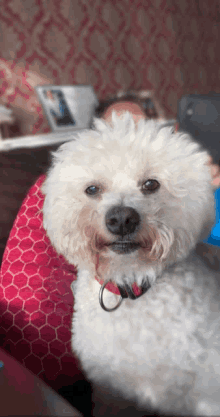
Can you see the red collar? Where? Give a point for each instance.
(112, 287)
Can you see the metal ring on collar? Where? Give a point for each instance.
(102, 302)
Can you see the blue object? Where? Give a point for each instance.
(214, 237)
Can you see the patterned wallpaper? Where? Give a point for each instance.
(170, 46)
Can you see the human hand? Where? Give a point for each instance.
(215, 173)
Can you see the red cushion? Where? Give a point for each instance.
(36, 301)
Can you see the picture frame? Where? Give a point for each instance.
(68, 107)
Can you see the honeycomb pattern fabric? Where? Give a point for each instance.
(36, 301)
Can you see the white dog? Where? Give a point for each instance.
(127, 204)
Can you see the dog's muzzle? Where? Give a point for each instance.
(125, 291)
(122, 222)
(124, 247)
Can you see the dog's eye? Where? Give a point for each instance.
(150, 186)
(92, 190)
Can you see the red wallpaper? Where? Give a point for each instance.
(166, 45)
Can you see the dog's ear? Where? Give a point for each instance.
(64, 221)
(215, 168)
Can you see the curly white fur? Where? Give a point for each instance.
(160, 349)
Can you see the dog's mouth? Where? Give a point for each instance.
(123, 247)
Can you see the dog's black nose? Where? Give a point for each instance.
(122, 220)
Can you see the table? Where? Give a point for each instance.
(37, 141)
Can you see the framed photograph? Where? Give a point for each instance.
(68, 107)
